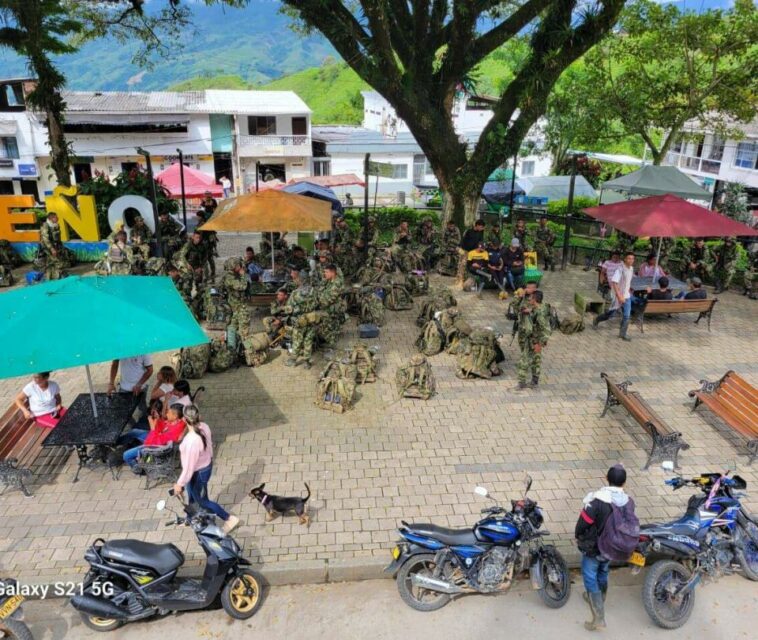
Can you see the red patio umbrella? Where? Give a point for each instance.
(196, 183)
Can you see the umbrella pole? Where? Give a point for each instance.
(91, 390)
(273, 264)
(657, 257)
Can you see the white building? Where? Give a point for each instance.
(712, 160)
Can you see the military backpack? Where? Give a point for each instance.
(437, 301)
(192, 362)
(334, 392)
(217, 311)
(480, 355)
(371, 310)
(364, 361)
(417, 283)
(432, 339)
(155, 266)
(223, 356)
(255, 348)
(398, 298)
(415, 379)
(573, 323)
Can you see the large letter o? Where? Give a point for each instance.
(140, 203)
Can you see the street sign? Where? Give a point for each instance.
(27, 169)
(381, 169)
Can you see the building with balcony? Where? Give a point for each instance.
(711, 160)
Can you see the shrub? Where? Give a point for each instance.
(560, 207)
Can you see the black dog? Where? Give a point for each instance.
(276, 505)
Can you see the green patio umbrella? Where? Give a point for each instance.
(78, 321)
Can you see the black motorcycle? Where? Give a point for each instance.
(131, 580)
(433, 563)
(12, 625)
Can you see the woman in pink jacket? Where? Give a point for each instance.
(197, 466)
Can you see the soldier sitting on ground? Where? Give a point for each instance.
(195, 254)
(119, 259)
(277, 319)
(140, 238)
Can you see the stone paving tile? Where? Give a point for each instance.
(389, 459)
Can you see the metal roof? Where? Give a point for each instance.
(360, 140)
(211, 101)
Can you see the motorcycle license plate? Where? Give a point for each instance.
(396, 553)
(10, 606)
(637, 559)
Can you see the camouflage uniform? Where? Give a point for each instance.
(701, 258)
(428, 240)
(751, 277)
(171, 235)
(303, 334)
(264, 248)
(277, 312)
(533, 329)
(140, 237)
(235, 286)
(544, 241)
(725, 264)
(493, 234)
(329, 297)
(666, 246)
(195, 256)
(120, 259)
(451, 240)
(183, 283)
(52, 251)
(523, 236)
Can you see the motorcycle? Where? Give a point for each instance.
(12, 625)
(715, 536)
(130, 580)
(431, 563)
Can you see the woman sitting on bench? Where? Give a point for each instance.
(162, 431)
(41, 400)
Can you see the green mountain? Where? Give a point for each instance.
(212, 82)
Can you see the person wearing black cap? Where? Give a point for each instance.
(597, 507)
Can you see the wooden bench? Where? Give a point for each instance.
(704, 309)
(666, 441)
(20, 443)
(735, 401)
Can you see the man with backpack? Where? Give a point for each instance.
(607, 529)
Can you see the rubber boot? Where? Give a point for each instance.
(597, 606)
(535, 381)
(623, 330)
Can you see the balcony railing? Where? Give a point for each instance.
(693, 163)
(274, 141)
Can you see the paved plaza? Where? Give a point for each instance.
(391, 459)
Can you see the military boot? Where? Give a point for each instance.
(535, 381)
(597, 607)
(521, 385)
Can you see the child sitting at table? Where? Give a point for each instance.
(162, 432)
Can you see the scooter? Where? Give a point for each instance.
(130, 580)
(12, 626)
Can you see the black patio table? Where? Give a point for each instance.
(79, 428)
(641, 283)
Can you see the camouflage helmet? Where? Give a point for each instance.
(233, 263)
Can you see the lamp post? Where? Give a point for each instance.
(569, 214)
(153, 200)
(181, 178)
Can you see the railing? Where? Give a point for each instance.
(703, 165)
(274, 141)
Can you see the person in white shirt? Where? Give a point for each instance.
(226, 185)
(621, 296)
(41, 400)
(135, 372)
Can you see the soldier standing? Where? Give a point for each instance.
(533, 334)
(235, 283)
(521, 232)
(329, 297)
(697, 260)
(183, 284)
(451, 238)
(544, 241)
(172, 234)
(751, 277)
(210, 240)
(725, 264)
(303, 331)
(51, 249)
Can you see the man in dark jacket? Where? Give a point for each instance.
(469, 242)
(598, 505)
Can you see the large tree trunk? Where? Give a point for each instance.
(462, 207)
(59, 158)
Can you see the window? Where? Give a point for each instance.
(322, 167)
(299, 127)
(8, 148)
(261, 125)
(677, 146)
(421, 167)
(527, 168)
(717, 149)
(12, 97)
(399, 171)
(747, 155)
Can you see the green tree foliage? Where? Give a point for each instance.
(734, 203)
(666, 67)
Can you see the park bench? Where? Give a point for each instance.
(735, 401)
(158, 463)
(704, 309)
(20, 444)
(666, 441)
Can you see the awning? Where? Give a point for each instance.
(8, 127)
(653, 180)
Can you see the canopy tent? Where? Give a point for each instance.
(500, 174)
(337, 180)
(78, 321)
(196, 183)
(556, 187)
(652, 180)
(270, 184)
(315, 191)
(499, 192)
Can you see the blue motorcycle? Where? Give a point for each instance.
(432, 564)
(715, 537)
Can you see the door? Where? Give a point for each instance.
(299, 127)
(126, 167)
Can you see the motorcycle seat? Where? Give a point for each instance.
(450, 537)
(684, 527)
(161, 558)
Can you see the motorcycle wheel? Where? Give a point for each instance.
(664, 610)
(746, 550)
(11, 629)
(100, 624)
(416, 597)
(555, 595)
(243, 595)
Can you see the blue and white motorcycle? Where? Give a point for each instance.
(715, 537)
(433, 563)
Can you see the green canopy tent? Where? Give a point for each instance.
(652, 180)
(78, 321)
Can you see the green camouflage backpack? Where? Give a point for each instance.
(398, 298)
(6, 277)
(417, 283)
(255, 348)
(335, 392)
(438, 300)
(217, 311)
(415, 379)
(457, 331)
(155, 266)
(371, 309)
(432, 339)
(341, 368)
(364, 361)
(222, 357)
(480, 356)
(192, 362)
(573, 323)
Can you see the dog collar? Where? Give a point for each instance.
(265, 500)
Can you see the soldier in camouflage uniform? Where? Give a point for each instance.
(273, 322)
(697, 261)
(183, 284)
(666, 246)
(521, 232)
(172, 234)
(119, 257)
(725, 263)
(52, 253)
(329, 296)
(451, 240)
(427, 240)
(544, 241)
(373, 233)
(751, 277)
(140, 237)
(209, 239)
(264, 248)
(533, 334)
(234, 284)
(302, 330)
(195, 255)
(492, 235)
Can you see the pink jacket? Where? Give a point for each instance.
(194, 457)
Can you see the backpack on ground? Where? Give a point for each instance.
(415, 379)
(192, 362)
(438, 300)
(620, 534)
(371, 309)
(223, 356)
(217, 311)
(364, 361)
(255, 349)
(398, 298)
(417, 283)
(432, 339)
(335, 392)
(457, 331)
(572, 323)
(480, 356)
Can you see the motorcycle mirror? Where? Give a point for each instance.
(668, 466)
(161, 505)
(481, 491)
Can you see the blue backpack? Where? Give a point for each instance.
(620, 534)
